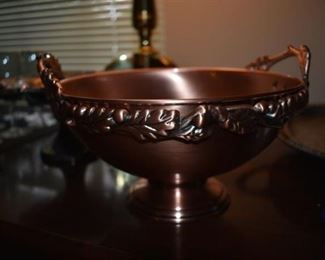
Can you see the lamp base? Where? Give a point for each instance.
(179, 203)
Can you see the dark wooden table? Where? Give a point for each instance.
(82, 212)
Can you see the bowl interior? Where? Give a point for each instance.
(177, 84)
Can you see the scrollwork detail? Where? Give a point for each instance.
(162, 122)
(154, 124)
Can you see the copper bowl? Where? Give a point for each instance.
(178, 127)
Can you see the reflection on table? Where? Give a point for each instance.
(82, 212)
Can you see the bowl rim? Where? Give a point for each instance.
(224, 99)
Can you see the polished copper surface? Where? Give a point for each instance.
(176, 127)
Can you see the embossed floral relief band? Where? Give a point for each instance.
(150, 123)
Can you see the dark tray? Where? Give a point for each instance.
(306, 132)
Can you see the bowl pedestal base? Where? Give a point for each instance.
(179, 203)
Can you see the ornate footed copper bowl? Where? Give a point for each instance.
(178, 127)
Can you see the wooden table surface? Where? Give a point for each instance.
(82, 212)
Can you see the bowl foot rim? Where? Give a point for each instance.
(178, 204)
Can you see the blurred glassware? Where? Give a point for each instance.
(30, 83)
(10, 89)
(28, 64)
(21, 94)
(9, 65)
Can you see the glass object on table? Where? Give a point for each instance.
(10, 91)
(28, 63)
(32, 86)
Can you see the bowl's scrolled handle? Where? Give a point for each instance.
(302, 53)
(50, 72)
